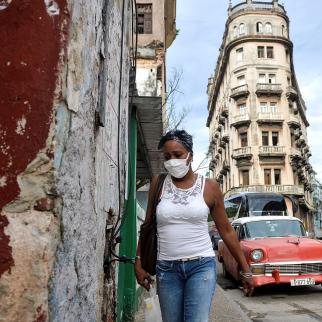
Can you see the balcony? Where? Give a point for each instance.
(264, 118)
(221, 120)
(226, 165)
(294, 122)
(267, 6)
(281, 189)
(225, 111)
(239, 91)
(225, 137)
(291, 93)
(271, 151)
(268, 89)
(241, 120)
(295, 153)
(242, 153)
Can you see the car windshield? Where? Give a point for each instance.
(266, 205)
(274, 228)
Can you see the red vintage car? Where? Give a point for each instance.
(277, 250)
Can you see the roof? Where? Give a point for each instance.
(244, 220)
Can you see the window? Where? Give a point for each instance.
(159, 73)
(275, 138)
(292, 138)
(262, 78)
(263, 107)
(245, 177)
(273, 107)
(271, 79)
(241, 80)
(242, 29)
(270, 52)
(242, 108)
(240, 54)
(261, 52)
(265, 138)
(267, 176)
(243, 139)
(277, 176)
(284, 31)
(289, 81)
(268, 28)
(287, 55)
(235, 31)
(144, 18)
(259, 27)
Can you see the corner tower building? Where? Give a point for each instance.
(257, 117)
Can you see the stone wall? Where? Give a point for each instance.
(65, 101)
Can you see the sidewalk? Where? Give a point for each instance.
(223, 309)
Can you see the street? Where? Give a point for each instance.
(276, 303)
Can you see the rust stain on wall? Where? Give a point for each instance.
(31, 43)
(41, 315)
(6, 260)
(30, 48)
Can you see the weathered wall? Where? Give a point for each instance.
(58, 168)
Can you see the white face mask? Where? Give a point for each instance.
(178, 168)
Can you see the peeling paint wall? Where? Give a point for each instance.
(59, 171)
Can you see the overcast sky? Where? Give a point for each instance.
(195, 51)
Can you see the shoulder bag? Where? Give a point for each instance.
(148, 233)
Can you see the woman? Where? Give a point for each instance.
(186, 267)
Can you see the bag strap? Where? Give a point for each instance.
(156, 195)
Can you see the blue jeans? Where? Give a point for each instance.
(186, 289)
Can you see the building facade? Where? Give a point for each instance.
(257, 116)
(317, 202)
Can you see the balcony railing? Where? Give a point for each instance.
(239, 91)
(272, 150)
(282, 189)
(257, 5)
(244, 152)
(241, 119)
(268, 89)
(270, 117)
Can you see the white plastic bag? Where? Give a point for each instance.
(152, 311)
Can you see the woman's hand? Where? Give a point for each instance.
(248, 283)
(142, 277)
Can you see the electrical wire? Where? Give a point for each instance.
(121, 215)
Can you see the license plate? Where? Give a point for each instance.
(302, 281)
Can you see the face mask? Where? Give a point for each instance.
(178, 168)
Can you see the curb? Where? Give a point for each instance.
(234, 306)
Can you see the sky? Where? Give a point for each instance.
(195, 51)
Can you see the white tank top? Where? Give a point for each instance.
(182, 222)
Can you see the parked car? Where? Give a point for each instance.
(277, 249)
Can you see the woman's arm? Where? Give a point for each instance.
(228, 234)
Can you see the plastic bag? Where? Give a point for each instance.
(152, 311)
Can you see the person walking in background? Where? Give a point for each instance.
(186, 266)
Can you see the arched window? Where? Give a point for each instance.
(284, 31)
(259, 27)
(268, 28)
(242, 29)
(235, 31)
